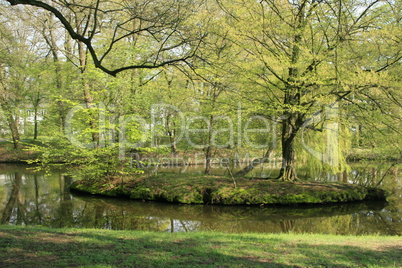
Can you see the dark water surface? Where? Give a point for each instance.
(34, 198)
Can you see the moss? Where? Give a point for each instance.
(141, 193)
(301, 198)
(80, 186)
(376, 194)
(201, 189)
(193, 197)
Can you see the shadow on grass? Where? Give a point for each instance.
(37, 247)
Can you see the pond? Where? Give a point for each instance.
(36, 198)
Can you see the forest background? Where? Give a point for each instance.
(303, 83)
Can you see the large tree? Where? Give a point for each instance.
(300, 57)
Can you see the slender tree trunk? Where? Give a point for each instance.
(87, 94)
(60, 104)
(92, 122)
(216, 91)
(13, 124)
(50, 39)
(35, 136)
(253, 164)
(59, 86)
(36, 111)
(208, 154)
(173, 146)
(8, 110)
(208, 149)
(171, 134)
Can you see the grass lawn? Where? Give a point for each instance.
(44, 247)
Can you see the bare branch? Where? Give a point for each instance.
(92, 18)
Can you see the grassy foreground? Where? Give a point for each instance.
(44, 247)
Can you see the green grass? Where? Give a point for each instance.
(44, 247)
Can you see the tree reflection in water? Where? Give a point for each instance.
(31, 198)
(14, 206)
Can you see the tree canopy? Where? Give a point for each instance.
(305, 81)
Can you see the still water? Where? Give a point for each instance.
(36, 198)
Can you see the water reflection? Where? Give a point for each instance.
(31, 198)
(14, 201)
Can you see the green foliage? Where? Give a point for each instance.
(89, 164)
(259, 61)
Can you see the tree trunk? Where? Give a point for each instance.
(87, 94)
(293, 92)
(50, 39)
(60, 104)
(36, 103)
(289, 130)
(13, 124)
(35, 136)
(288, 171)
(92, 122)
(253, 164)
(208, 154)
(208, 150)
(11, 115)
(171, 134)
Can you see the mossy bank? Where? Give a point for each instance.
(220, 190)
(21, 155)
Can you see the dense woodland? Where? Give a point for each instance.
(308, 82)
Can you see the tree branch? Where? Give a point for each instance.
(88, 41)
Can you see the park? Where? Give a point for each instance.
(216, 133)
